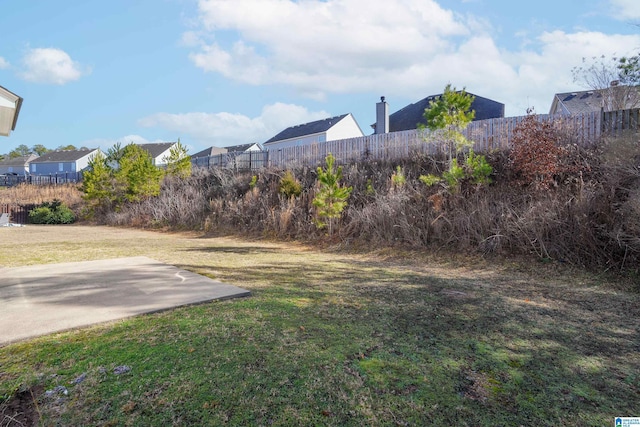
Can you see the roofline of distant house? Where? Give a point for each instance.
(295, 137)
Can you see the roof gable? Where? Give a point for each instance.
(310, 128)
(242, 147)
(408, 117)
(211, 151)
(156, 149)
(587, 101)
(63, 156)
(18, 161)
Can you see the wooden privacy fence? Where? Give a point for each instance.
(18, 214)
(249, 160)
(487, 135)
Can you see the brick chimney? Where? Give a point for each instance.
(382, 116)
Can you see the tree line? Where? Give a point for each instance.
(38, 149)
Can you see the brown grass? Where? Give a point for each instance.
(24, 194)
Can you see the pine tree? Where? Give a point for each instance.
(178, 161)
(332, 197)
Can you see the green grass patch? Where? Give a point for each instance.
(335, 339)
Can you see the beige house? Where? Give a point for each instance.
(10, 104)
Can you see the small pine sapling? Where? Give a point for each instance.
(289, 186)
(398, 179)
(331, 198)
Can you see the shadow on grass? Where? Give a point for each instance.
(327, 341)
(514, 351)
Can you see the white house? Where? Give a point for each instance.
(331, 129)
(10, 104)
(159, 151)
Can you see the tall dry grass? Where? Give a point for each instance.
(590, 217)
(25, 194)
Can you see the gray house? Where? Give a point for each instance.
(17, 165)
(408, 118)
(59, 162)
(610, 99)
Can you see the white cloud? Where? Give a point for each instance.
(50, 65)
(224, 129)
(625, 9)
(4, 64)
(321, 44)
(408, 48)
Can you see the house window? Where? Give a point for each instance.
(10, 169)
(33, 168)
(73, 167)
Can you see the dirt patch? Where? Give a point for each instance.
(21, 409)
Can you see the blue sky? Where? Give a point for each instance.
(226, 72)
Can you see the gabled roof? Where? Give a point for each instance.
(586, 101)
(64, 156)
(311, 128)
(242, 147)
(408, 117)
(6, 113)
(18, 161)
(158, 148)
(207, 152)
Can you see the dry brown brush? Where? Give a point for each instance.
(586, 212)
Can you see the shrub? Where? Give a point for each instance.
(476, 170)
(398, 178)
(535, 157)
(289, 185)
(52, 213)
(253, 182)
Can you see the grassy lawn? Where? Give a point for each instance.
(332, 338)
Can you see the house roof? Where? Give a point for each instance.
(9, 117)
(310, 128)
(587, 101)
(157, 149)
(207, 152)
(18, 161)
(241, 147)
(408, 117)
(63, 156)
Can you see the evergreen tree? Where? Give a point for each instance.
(331, 198)
(448, 116)
(124, 175)
(136, 174)
(97, 184)
(178, 162)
